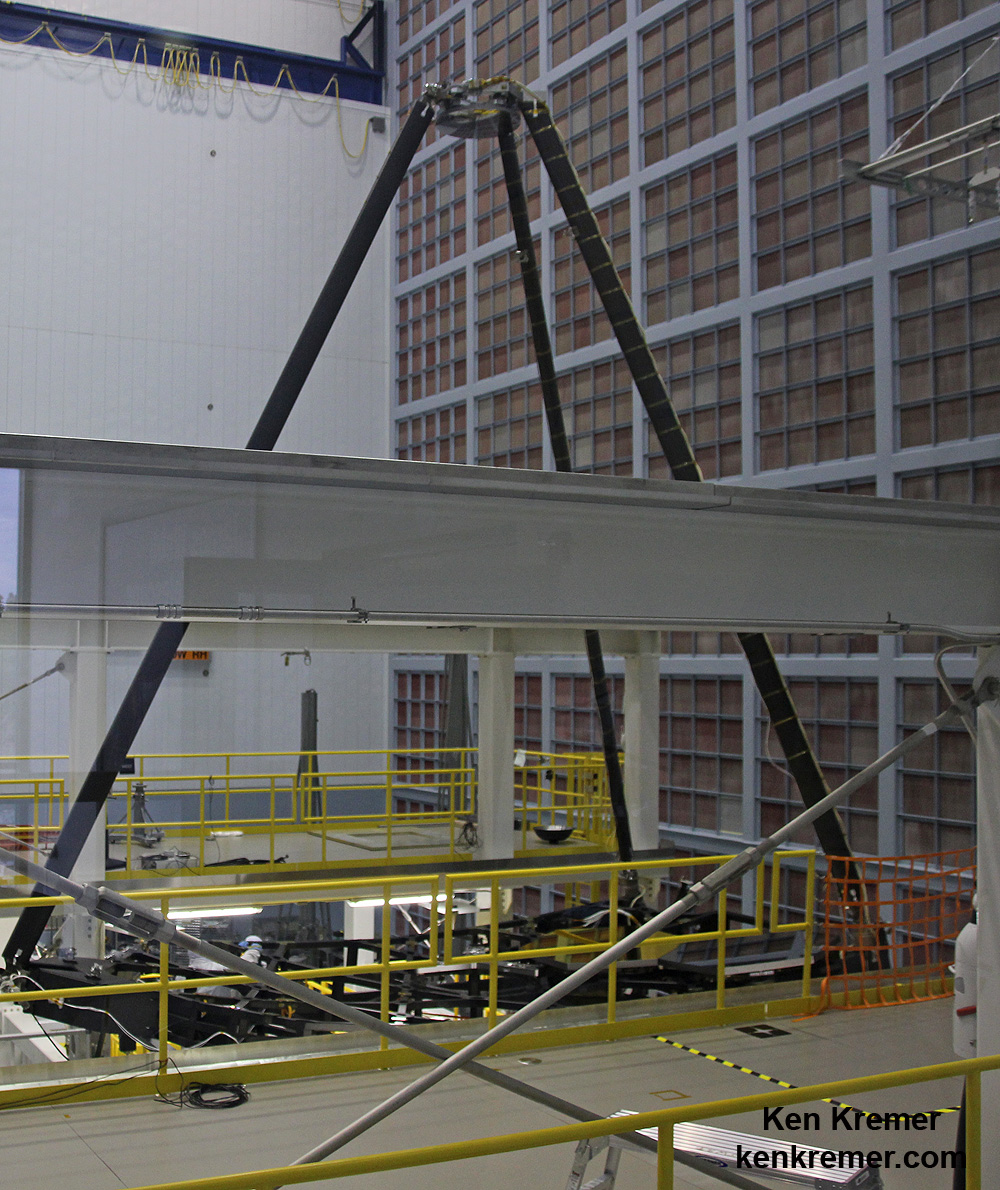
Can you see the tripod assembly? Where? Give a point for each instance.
(475, 109)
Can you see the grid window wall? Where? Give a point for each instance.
(687, 80)
(691, 252)
(419, 717)
(948, 350)
(975, 483)
(528, 732)
(591, 107)
(509, 428)
(528, 711)
(807, 218)
(815, 380)
(598, 409)
(441, 58)
(435, 437)
(580, 319)
(796, 45)
(576, 726)
(506, 33)
(701, 753)
(699, 644)
(827, 644)
(432, 213)
(840, 716)
(503, 332)
(910, 20)
(415, 15)
(492, 204)
(911, 93)
(936, 782)
(432, 339)
(577, 24)
(793, 885)
(702, 374)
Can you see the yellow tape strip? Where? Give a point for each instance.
(770, 1078)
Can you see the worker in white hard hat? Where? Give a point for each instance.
(252, 948)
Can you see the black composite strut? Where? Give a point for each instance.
(131, 714)
(563, 462)
(680, 458)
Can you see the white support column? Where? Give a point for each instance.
(641, 705)
(495, 803)
(87, 670)
(359, 922)
(988, 892)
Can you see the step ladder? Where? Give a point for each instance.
(586, 1151)
(718, 1147)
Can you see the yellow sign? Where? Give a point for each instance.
(192, 655)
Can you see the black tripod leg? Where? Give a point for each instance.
(561, 453)
(679, 455)
(96, 788)
(97, 785)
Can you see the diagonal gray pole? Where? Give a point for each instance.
(700, 892)
(134, 917)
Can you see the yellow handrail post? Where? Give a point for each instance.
(612, 939)
(163, 1003)
(201, 821)
(449, 919)
(434, 938)
(973, 1131)
(720, 963)
(451, 809)
(388, 807)
(810, 912)
(665, 1157)
(326, 812)
(128, 826)
(385, 958)
(491, 1015)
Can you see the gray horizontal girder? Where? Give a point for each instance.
(370, 547)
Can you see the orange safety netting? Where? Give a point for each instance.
(894, 947)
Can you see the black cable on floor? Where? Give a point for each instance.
(215, 1095)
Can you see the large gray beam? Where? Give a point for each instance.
(137, 530)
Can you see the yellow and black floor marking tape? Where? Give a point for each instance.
(767, 1078)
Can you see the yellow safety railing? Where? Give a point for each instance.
(32, 807)
(443, 948)
(567, 790)
(664, 1120)
(193, 798)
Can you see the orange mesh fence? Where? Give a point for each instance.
(896, 946)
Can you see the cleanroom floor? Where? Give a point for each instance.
(130, 1143)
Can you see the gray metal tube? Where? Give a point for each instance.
(699, 892)
(136, 918)
(166, 931)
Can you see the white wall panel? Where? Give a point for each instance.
(145, 279)
(302, 26)
(250, 702)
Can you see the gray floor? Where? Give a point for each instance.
(134, 1143)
